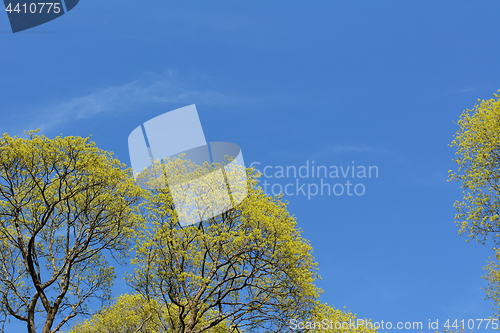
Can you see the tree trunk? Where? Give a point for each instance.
(51, 315)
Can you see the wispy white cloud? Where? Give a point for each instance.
(149, 89)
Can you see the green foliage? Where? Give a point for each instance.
(478, 142)
(62, 203)
(249, 267)
(493, 277)
(128, 314)
(478, 158)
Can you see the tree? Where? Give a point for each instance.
(63, 202)
(247, 268)
(478, 150)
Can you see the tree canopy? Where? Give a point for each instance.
(478, 158)
(63, 203)
(248, 267)
(128, 314)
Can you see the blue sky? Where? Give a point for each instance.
(379, 83)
